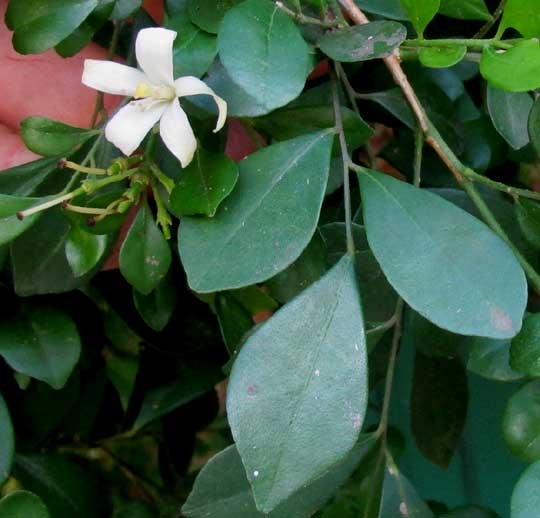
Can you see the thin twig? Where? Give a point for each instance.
(490, 23)
(346, 159)
(308, 20)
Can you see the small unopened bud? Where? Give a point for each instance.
(62, 163)
(20, 216)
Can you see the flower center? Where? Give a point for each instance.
(161, 93)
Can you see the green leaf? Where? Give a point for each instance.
(514, 70)
(48, 137)
(510, 114)
(362, 42)
(533, 126)
(523, 16)
(136, 510)
(234, 321)
(525, 497)
(307, 269)
(194, 381)
(208, 14)
(528, 215)
(24, 180)
(47, 271)
(465, 9)
(420, 13)
(204, 184)
(387, 8)
(259, 230)
(41, 342)
(10, 225)
(145, 256)
(452, 254)
(441, 57)
(7, 440)
(521, 422)
(22, 504)
(41, 24)
(490, 359)
(525, 350)
(84, 251)
(194, 50)
(122, 370)
(399, 497)
(222, 490)
(292, 394)
(439, 400)
(125, 8)
(470, 512)
(157, 307)
(268, 58)
(66, 488)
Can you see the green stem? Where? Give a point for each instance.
(308, 20)
(346, 159)
(458, 42)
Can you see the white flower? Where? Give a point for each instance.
(157, 93)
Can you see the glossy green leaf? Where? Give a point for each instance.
(533, 126)
(42, 24)
(439, 400)
(41, 342)
(362, 42)
(521, 422)
(268, 58)
(510, 114)
(7, 440)
(235, 321)
(528, 215)
(66, 487)
(194, 50)
(490, 359)
(122, 371)
(222, 489)
(10, 225)
(514, 70)
(456, 291)
(22, 504)
(399, 498)
(284, 395)
(25, 179)
(48, 271)
(420, 12)
(259, 230)
(465, 9)
(441, 57)
(157, 307)
(525, 497)
(204, 184)
(193, 382)
(208, 14)
(307, 269)
(521, 15)
(84, 251)
(525, 350)
(48, 137)
(387, 8)
(125, 8)
(145, 256)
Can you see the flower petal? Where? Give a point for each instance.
(111, 77)
(193, 86)
(177, 134)
(127, 129)
(154, 50)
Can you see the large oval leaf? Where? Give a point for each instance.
(7, 440)
(521, 15)
(445, 263)
(22, 504)
(268, 58)
(526, 498)
(267, 221)
(41, 342)
(298, 390)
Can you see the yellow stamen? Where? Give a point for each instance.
(143, 90)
